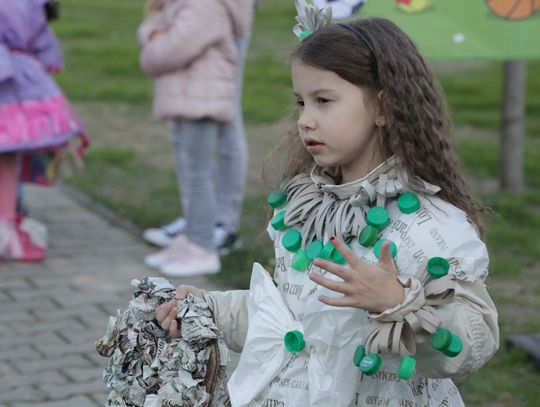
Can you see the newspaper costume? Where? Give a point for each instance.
(323, 374)
(149, 369)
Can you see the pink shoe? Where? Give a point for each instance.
(173, 252)
(195, 261)
(17, 245)
(30, 252)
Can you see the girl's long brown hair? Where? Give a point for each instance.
(417, 128)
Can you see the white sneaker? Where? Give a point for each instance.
(163, 236)
(175, 251)
(195, 261)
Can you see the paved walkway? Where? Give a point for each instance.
(52, 313)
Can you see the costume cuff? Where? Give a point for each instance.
(413, 301)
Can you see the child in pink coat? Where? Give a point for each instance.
(35, 116)
(188, 46)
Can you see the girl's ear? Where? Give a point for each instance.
(380, 119)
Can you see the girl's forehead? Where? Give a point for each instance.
(309, 76)
(307, 80)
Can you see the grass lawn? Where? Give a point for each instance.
(129, 167)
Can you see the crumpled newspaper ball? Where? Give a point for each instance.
(149, 369)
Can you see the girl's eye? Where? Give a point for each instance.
(322, 100)
(300, 103)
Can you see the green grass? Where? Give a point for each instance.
(98, 38)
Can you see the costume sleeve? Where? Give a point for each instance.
(6, 63)
(471, 314)
(47, 49)
(231, 316)
(198, 24)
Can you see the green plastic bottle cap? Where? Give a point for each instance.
(300, 261)
(276, 199)
(314, 249)
(438, 267)
(406, 367)
(370, 364)
(378, 246)
(338, 258)
(294, 341)
(441, 339)
(292, 240)
(408, 203)
(368, 236)
(456, 346)
(304, 34)
(278, 221)
(359, 353)
(377, 217)
(326, 252)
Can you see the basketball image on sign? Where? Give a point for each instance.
(514, 9)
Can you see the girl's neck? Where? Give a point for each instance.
(361, 169)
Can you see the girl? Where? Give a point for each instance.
(188, 46)
(375, 195)
(35, 117)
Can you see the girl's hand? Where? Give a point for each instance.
(373, 288)
(166, 313)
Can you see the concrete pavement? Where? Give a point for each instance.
(51, 313)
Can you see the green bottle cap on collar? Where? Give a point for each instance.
(278, 221)
(441, 339)
(359, 353)
(370, 364)
(326, 252)
(294, 341)
(437, 267)
(378, 246)
(300, 261)
(408, 203)
(368, 236)
(276, 199)
(377, 217)
(456, 346)
(406, 367)
(292, 240)
(314, 249)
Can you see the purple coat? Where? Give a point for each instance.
(34, 114)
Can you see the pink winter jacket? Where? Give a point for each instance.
(194, 60)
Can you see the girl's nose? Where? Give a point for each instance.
(305, 122)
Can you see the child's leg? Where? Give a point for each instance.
(232, 155)
(199, 140)
(15, 243)
(9, 243)
(8, 187)
(182, 169)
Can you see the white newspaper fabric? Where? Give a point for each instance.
(323, 374)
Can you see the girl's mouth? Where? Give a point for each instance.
(313, 146)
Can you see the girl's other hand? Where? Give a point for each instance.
(373, 288)
(166, 313)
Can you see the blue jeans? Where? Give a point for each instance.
(206, 180)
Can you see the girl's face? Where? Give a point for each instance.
(336, 121)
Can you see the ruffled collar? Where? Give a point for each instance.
(321, 209)
(326, 179)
